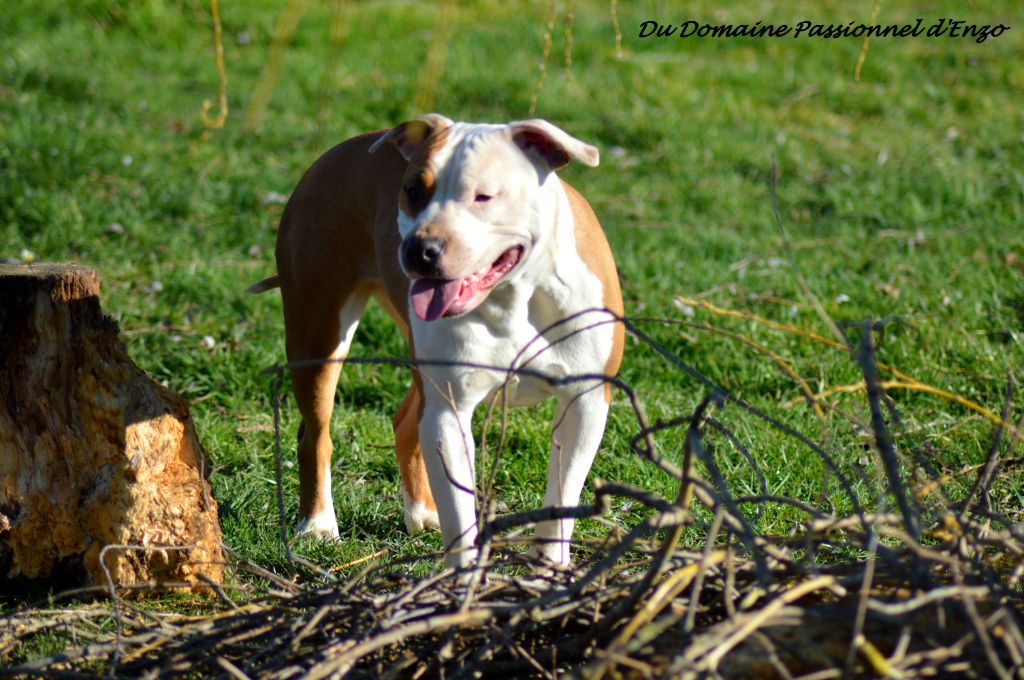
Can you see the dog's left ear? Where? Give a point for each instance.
(541, 140)
(408, 136)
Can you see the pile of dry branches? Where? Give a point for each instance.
(928, 588)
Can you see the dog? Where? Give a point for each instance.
(487, 261)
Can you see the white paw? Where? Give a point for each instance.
(321, 525)
(418, 517)
(551, 554)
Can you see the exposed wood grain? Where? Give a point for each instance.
(93, 452)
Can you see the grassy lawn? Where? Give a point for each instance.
(901, 196)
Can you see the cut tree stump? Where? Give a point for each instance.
(93, 452)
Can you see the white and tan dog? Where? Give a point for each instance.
(471, 243)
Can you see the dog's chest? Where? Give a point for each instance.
(541, 366)
(548, 342)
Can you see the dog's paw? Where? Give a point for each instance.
(323, 525)
(550, 554)
(418, 517)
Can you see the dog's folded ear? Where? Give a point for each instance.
(541, 140)
(408, 136)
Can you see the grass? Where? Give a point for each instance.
(902, 196)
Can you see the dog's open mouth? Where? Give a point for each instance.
(435, 298)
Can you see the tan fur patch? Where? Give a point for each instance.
(420, 181)
(593, 248)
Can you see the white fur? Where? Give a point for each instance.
(418, 517)
(551, 283)
(323, 524)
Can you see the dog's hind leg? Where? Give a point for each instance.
(420, 509)
(318, 337)
(418, 502)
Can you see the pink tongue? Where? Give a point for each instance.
(431, 298)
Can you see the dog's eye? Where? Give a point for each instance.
(482, 198)
(414, 193)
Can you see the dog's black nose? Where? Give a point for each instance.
(422, 255)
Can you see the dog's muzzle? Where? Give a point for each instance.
(433, 295)
(421, 256)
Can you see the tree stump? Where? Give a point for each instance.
(96, 458)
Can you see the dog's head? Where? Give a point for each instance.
(470, 207)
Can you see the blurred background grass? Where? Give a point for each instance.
(901, 194)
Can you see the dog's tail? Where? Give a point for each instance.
(263, 286)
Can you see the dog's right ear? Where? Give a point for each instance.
(408, 136)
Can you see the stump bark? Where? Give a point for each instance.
(93, 453)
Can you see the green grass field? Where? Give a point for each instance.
(902, 197)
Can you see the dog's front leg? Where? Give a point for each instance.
(578, 427)
(448, 452)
